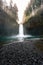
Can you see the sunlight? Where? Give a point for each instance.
(21, 4)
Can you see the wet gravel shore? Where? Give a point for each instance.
(21, 53)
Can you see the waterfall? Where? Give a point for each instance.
(21, 32)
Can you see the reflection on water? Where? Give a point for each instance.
(19, 38)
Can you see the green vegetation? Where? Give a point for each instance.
(34, 24)
(8, 19)
(33, 6)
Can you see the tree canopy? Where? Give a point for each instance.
(36, 4)
(1, 3)
(8, 19)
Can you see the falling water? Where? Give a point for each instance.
(21, 33)
(21, 10)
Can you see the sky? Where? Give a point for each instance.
(21, 4)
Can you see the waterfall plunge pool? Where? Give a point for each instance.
(18, 38)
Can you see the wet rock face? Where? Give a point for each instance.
(8, 24)
(24, 53)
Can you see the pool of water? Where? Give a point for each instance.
(19, 38)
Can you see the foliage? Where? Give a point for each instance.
(36, 4)
(1, 3)
(8, 21)
(34, 25)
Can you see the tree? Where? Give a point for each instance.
(35, 4)
(1, 3)
(11, 4)
(42, 2)
(15, 11)
(4, 4)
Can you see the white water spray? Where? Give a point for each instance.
(21, 8)
(21, 33)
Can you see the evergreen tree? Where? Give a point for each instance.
(36, 4)
(15, 11)
(1, 3)
(11, 4)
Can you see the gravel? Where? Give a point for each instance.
(20, 53)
